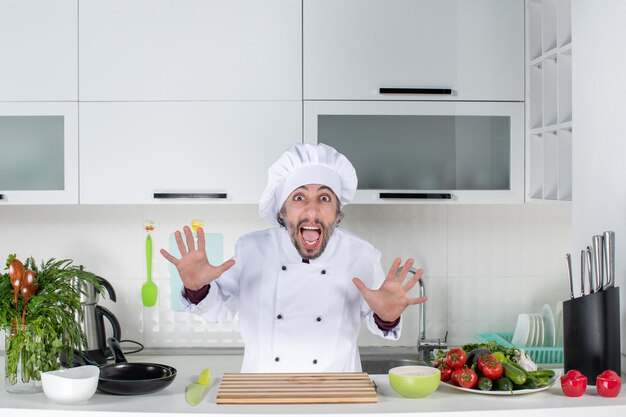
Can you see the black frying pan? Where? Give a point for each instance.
(124, 378)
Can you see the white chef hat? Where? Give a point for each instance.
(303, 164)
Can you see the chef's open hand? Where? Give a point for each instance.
(390, 300)
(193, 266)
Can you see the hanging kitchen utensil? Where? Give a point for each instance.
(149, 290)
(609, 259)
(124, 378)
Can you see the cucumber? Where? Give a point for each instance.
(485, 384)
(542, 373)
(504, 384)
(516, 375)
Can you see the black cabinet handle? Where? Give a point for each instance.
(190, 195)
(437, 91)
(431, 196)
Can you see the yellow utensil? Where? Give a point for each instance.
(195, 392)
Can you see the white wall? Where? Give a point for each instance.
(599, 138)
(484, 264)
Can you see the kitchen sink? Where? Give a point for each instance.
(381, 361)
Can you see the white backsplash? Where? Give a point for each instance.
(484, 264)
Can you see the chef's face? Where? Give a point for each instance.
(310, 215)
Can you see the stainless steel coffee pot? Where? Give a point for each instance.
(93, 324)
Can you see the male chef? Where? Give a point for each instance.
(301, 288)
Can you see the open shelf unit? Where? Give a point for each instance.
(548, 101)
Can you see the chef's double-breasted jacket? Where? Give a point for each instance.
(296, 316)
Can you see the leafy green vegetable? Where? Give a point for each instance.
(53, 316)
(511, 353)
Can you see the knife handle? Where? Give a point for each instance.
(609, 259)
(583, 270)
(598, 256)
(568, 259)
(589, 270)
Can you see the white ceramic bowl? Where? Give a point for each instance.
(73, 385)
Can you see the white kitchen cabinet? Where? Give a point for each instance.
(38, 50)
(549, 101)
(166, 152)
(143, 50)
(353, 48)
(426, 152)
(39, 153)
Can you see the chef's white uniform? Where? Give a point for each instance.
(296, 316)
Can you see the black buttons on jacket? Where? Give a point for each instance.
(318, 319)
(276, 359)
(280, 316)
(314, 361)
(323, 272)
(284, 268)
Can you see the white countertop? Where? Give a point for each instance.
(445, 401)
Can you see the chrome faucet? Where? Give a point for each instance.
(426, 347)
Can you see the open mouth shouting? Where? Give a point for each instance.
(310, 235)
(310, 238)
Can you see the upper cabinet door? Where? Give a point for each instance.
(190, 50)
(39, 153)
(165, 152)
(38, 50)
(474, 49)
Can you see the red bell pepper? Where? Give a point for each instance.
(573, 383)
(608, 384)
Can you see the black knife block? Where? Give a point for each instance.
(591, 334)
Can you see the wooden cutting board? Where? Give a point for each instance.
(296, 388)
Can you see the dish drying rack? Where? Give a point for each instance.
(539, 355)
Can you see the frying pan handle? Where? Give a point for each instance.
(116, 350)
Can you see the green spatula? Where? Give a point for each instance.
(149, 290)
(195, 392)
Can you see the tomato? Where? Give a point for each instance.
(455, 375)
(490, 367)
(608, 384)
(456, 358)
(485, 358)
(467, 378)
(573, 383)
(446, 372)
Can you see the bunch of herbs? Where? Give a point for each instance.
(53, 317)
